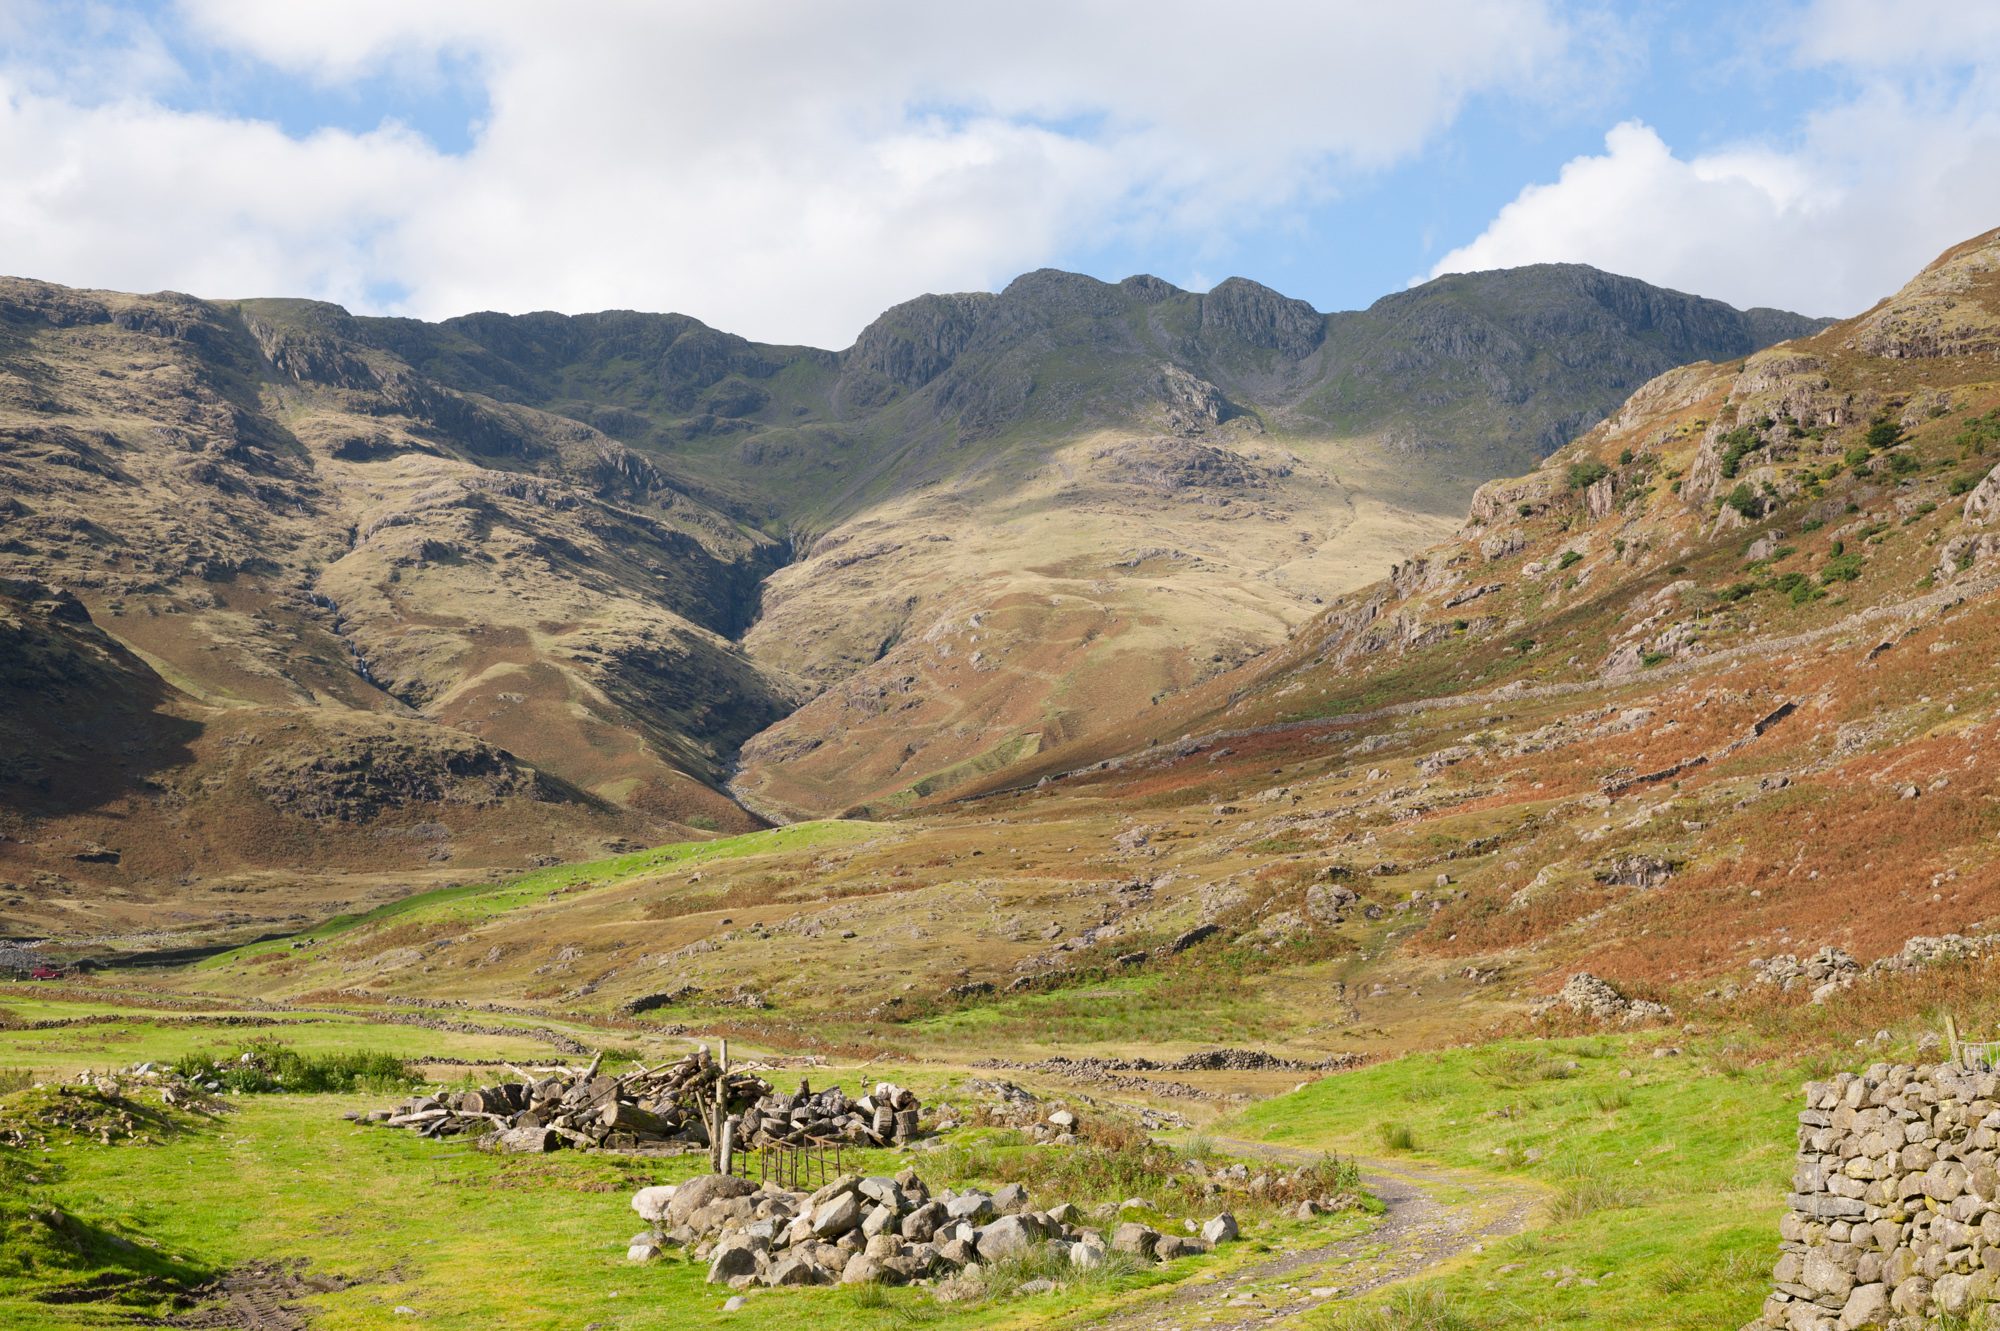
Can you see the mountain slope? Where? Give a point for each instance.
(1018, 517)
(1709, 692)
(511, 587)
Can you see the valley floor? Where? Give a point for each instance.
(1614, 1181)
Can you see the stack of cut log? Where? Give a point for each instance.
(550, 1109)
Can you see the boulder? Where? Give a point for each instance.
(973, 1206)
(836, 1215)
(1222, 1229)
(795, 1271)
(698, 1192)
(731, 1260)
(1010, 1199)
(879, 1220)
(886, 1191)
(1009, 1236)
(651, 1203)
(861, 1269)
(1172, 1246)
(1135, 1238)
(920, 1225)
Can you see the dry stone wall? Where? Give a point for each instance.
(1894, 1214)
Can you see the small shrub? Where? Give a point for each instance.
(1583, 475)
(15, 1079)
(1648, 660)
(1625, 457)
(1978, 432)
(1738, 442)
(1883, 432)
(1744, 500)
(1568, 559)
(1841, 568)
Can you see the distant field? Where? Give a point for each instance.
(473, 902)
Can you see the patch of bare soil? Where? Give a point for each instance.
(259, 1296)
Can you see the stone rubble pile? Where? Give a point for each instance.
(1895, 1209)
(880, 1230)
(1587, 996)
(647, 1108)
(1832, 970)
(1829, 966)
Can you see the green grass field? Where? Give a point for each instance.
(470, 903)
(1665, 1177)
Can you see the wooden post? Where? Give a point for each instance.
(1951, 1036)
(719, 1139)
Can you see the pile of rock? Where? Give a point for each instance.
(879, 1230)
(1587, 996)
(1832, 970)
(1058, 1128)
(1895, 1209)
(672, 1107)
(1826, 972)
(886, 1116)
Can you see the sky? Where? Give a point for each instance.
(788, 170)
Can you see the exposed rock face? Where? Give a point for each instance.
(1261, 317)
(1946, 310)
(913, 343)
(1171, 466)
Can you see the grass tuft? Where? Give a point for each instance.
(1424, 1308)
(1397, 1136)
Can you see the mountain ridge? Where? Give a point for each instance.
(620, 550)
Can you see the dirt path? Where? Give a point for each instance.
(1422, 1231)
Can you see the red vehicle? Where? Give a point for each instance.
(45, 973)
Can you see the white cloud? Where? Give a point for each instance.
(779, 169)
(1864, 190)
